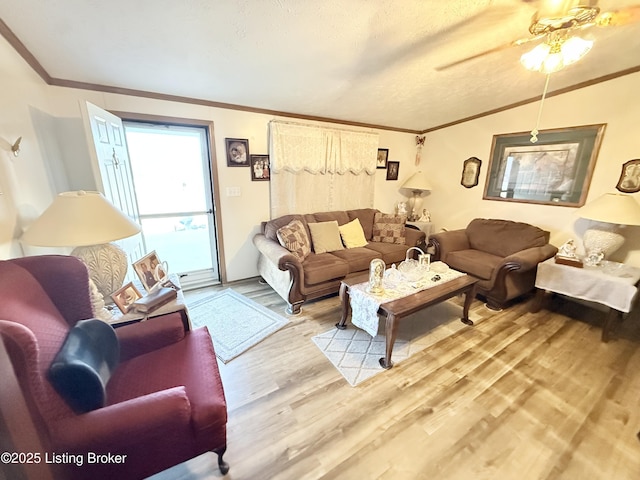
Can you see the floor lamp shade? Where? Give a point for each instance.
(88, 221)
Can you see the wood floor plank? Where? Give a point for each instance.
(518, 395)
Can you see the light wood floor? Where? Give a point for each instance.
(518, 396)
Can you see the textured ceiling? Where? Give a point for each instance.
(362, 61)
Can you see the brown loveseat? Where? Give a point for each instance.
(318, 274)
(502, 253)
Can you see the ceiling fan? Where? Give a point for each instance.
(556, 25)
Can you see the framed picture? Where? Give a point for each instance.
(556, 170)
(149, 270)
(629, 181)
(237, 152)
(470, 172)
(392, 170)
(383, 156)
(125, 296)
(260, 168)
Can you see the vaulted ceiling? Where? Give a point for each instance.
(372, 62)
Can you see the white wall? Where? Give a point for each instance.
(31, 108)
(615, 103)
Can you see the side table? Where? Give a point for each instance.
(612, 284)
(426, 227)
(177, 305)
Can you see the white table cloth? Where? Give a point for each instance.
(612, 284)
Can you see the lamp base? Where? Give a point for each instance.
(107, 265)
(601, 241)
(414, 204)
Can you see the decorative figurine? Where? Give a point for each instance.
(376, 274)
(426, 216)
(401, 208)
(568, 249)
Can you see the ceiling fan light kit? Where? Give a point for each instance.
(556, 53)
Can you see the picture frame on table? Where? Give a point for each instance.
(237, 152)
(260, 168)
(383, 157)
(629, 181)
(555, 170)
(393, 169)
(125, 296)
(145, 269)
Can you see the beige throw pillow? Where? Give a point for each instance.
(294, 238)
(389, 228)
(325, 237)
(352, 234)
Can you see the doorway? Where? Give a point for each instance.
(173, 179)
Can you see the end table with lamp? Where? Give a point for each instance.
(417, 183)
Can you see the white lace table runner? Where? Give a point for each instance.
(364, 306)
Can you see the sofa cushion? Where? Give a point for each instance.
(365, 215)
(293, 237)
(389, 228)
(325, 236)
(390, 252)
(271, 227)
(81, 369)
(339, 216)
(323, 267)
(352, 234)
(504, 237)
(358, 258)
(475, 262)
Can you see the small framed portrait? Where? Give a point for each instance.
(237, 152)
(260, 168)
(125, 296)
(149, 270)
(392, 170)
(470, 172)
(629, 181)
(383, 156)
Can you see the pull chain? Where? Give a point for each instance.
(534, 132)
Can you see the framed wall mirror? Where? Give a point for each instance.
(556, 170)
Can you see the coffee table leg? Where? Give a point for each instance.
(346, 307)
(390, 332)
(468, 298)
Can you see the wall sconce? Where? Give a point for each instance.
(15, 148)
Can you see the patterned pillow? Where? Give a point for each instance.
(389, 228)
(294, 238)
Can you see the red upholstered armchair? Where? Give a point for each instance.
(164, 399)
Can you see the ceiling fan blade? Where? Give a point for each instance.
(499, 48)
(616, 18)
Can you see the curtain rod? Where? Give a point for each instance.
(300, 124)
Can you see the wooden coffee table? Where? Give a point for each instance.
(395, 310)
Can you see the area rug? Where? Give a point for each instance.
(236, 323)
(355, 353)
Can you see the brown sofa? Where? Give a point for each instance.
(320, 274)
(502, 253)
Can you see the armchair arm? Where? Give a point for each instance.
(445, 242)
(531, 257)
(414, 237)
(143, 337)
(125, 426)
(276, 253)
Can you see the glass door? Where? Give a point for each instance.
(172, 179)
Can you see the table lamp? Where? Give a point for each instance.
(611, 210)
(87, 221)
(417, 183)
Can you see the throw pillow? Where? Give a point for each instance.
(83, 365)
(325, 237)
(294, 238)
(389, 228)
(352, 234)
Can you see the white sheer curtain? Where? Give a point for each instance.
(316, 169)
